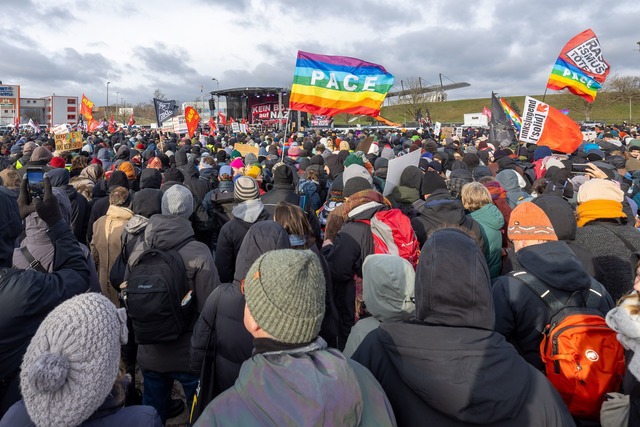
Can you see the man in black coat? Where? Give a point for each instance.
(448, 367)
(440, 209)
(80, 209)
(521, 315)
(27, 296)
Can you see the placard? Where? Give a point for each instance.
(68, 141)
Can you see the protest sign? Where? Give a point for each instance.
(396, 166)
(68, 141)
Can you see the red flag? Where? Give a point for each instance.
(17, 123)
(223, 118)
(243, 121)
(231, 120)
(86, 109)
(544, 125)
(486, 112)
(112, 125)
(93, 125)
(585, 53)
(212, 125)
(192, 118)
(131, 121)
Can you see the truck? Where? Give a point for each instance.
(475, 120)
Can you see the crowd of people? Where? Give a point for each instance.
(280, 280)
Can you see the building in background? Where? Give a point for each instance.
(9, 104)
(61, 109)
(47, 110)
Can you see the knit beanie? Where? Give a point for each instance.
(72, 362)
(254, 171)
(57, 162)
(294, 152)
(285, 293)
(541, 152)
(237, 163)
(282, 174)
(235, 154)
(356, 171)
(246, 188)
(178, 201)
(128, 169)
(353, 159)
(600, 189)
(250, 159)
(529, 222)
(41, 154)
(432, 181)
(355, 185)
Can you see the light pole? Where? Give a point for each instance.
(108, 83)
(217, 99)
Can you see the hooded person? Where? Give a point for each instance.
(80, 208)
(511, 181)
(521, 315)
(27, 296)
(284, 291)
(150, 178)
(248, 211)
(407, 193)
(468, 374)
(131, 173)
(221, 321)
(387, 292)
(86, 181)
(71, 373)
(36, 250)
(104, 155)
(163, 363)
(40, 158)
(603, 229)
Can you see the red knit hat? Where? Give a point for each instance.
(57, 162)
(529, 222)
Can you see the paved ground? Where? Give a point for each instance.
(176, 393)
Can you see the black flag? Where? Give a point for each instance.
(164, 110)
(500, 127)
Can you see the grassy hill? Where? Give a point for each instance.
(603, 109)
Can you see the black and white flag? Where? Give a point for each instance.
(164, 110)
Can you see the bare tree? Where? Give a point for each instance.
(414, 99)
(622, 88)
(158, 94)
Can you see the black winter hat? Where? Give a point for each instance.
(355, 185)
(282, 174)
(150, 178)
(174, 174)
(411, 177)
(147, 202)
(432, 181)
(118, 179)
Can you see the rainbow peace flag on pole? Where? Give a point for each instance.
(513, 116)
(580, 68)
(328, 85)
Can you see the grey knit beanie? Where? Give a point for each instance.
(246, 188)
(178, 201)
(72, 362)
(285, 292)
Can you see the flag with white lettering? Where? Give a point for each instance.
(328, 85)
(580, 68)
(164, 110)
(544, 125)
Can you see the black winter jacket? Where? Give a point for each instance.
(521, 315)
(448, 367)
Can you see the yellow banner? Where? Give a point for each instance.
(68, 141)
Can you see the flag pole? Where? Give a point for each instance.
(545, 93)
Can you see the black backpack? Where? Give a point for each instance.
(157, 296)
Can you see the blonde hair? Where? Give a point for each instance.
(474, 196)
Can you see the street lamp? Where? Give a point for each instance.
(108, 83)
(217, 98)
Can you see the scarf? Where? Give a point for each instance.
(627, 326)
(362, 197)
(598, 209)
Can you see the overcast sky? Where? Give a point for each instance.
(70, 47)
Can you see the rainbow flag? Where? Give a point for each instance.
(565, 75)
(328, 85)
(580, 67)
(513, 116)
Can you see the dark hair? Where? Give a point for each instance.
(295, 222)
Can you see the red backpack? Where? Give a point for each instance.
(394, 235)
(582, 356)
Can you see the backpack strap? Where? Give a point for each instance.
(540, 289)
(33, 263)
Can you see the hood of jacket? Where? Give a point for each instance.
(104, 155)
(167, 231)
(555, 264)
(119, 212)
(262, 237)
(181, 158)
(388, 285)
(309, 374)
(59, 177)
(136, 224)
(404, 194)
(508, 179)
(471, 375)
(443, 208)
(92, 172)
(561, 215)
(150, 178)
(489, 215)
(250, 211)
(453, 258)
(123, 153)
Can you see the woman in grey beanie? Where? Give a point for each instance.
(71, 373)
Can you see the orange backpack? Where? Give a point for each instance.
(582, 356)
